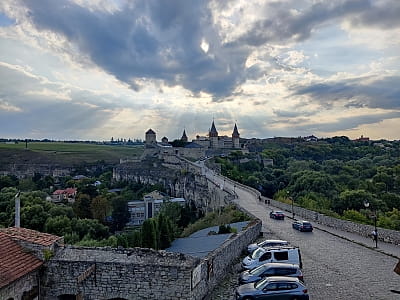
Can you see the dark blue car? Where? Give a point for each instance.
(302, 226)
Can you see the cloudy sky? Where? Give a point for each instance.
(96, 69)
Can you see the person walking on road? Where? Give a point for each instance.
(374, 235)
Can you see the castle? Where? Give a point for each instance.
(212, 141)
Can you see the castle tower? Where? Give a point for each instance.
(150, 137)
(213, 135)
(184, 137)
(235, 137)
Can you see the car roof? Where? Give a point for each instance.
(281, 265)
(281, 278)
(283, 247)
(273, 241)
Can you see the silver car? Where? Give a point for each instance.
(271, 269)
(266, 243)
(279, 287)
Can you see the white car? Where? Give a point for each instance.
(280, 254)
(266, 243)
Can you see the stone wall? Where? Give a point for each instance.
(137, 273)
(26, 285)
(39, 250)
(106, 273)
(218, 262)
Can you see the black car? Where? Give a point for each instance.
(273, 288)
(302, 226)
(270, 269)
(278, 215)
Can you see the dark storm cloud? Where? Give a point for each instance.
(161, 40)
(381, 93)
(148, 39)
(282, 26)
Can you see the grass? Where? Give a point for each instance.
(65, 153)
(229, 215)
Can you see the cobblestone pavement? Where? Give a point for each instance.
(334, 268)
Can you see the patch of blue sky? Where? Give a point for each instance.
(331, 50)
(5, 21)
(19, 53)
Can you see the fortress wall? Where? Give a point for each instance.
(137, 273)
(105, 273)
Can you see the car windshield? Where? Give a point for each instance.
(261, 284)
(256, 254)
(279, 212)
(257, 271)
(307, 223)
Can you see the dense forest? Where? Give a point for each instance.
(335, 176)
(98, 217)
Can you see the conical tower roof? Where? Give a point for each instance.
(184, 136)
(213, 130)
(235, 133)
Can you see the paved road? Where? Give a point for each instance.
(334, 268)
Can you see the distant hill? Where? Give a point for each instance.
(64, 154)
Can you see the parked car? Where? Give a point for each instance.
(281, 254)
(302, 226)
(271, 269)
(266, 243)
(279, 287)
(277, 215)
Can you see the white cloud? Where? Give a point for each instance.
(120, 67)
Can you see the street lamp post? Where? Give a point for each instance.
(375, 232)
(291, 198)
(292, 207)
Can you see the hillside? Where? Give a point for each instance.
(63, 154)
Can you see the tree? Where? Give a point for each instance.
(62, 210)
(59, 225)
(353, 199)
(100, 208)
(312, 181)
(120, 214)
(81, 206)
(8, 181)
(33, 217)
(165, 227)
(26, 185)
(149, 235)
(90, 228)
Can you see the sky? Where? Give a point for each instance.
(96, 69)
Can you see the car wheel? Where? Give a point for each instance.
(247, 298)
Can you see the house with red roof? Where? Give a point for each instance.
(21, 258)
(68, 195)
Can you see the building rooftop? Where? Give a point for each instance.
(201, 243)
(15, 261)
(31, 236)
(193, 145)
